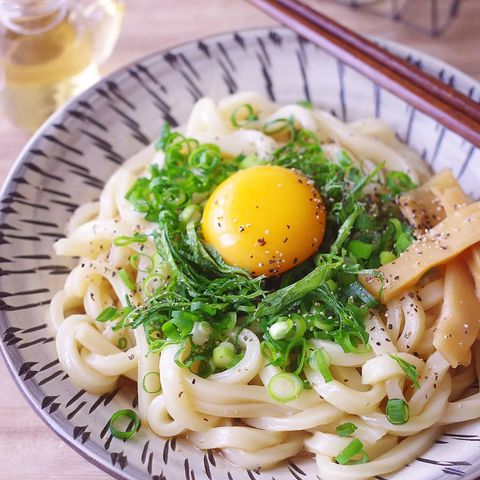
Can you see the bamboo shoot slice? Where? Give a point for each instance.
(459, 322)
(472, 257)
(422, 207)
(438, 246)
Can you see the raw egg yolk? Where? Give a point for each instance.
(265, 219)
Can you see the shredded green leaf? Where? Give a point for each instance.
(409, 369)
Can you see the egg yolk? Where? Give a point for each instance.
(265, 219)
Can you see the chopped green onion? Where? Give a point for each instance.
(300, 326)
(174, 196)
(398, 411)
(398, 226)
(356, 289)
(170, 331)
(205, 157)
(245, 111)
(319, 362)
(201, 332)
(124, 240)
(285, 387)
(252, 160)
(278, 125)
(135, 262)
(387, 257)
(280, 329)
(109, 313)
(223, 354)
(332, 285)
(409, 369)
(344, 230)
(345, 429)
(152, 283)
(122, 343)
(351, 450)
(191, 213)
(360, 249)
(131, 429)
(125, 277)
(305, 104)
(403, 242)
(365, 222)
(399, 182)
(148, 379)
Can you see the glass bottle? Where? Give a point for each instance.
(51, 50)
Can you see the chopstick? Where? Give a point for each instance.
(443, 103)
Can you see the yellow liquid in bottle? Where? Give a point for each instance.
(42, 71)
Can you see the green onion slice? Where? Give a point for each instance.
(124, 240)
(125, 277)
(356, 289)
(280, 329)
(122, 343)
(305, 104)
(285, 387)
(398, 411)
(243, 115)
(351, 450)
(131, 429)
(360, 249)
(409, 369)
(223, 354)
(151, 382)
(109, 313)
(319, 362)
(279, 125)
(345, 429)
(387, 257)
(135, 261)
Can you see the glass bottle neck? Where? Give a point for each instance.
(31, 17)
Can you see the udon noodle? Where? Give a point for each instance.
(430, 320)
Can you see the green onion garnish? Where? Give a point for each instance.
(398, 411)
(399, 182)
(305, 104)
(359, 249)
(124, 240)
(387, 257)
(109, 313)
(223, 354)
(319, 362)
(131, 429)
(191, 213)
(278, 125)
(151, 378)
(351, 450)
(356, 289)
(409, 369)
(285, 387)
(125, 277)
(403, 242)
(243, 115)
(345, 429)
(122, 343)
(280, 329)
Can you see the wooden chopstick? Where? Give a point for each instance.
(424, 92)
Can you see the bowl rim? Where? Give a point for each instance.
(47, 418)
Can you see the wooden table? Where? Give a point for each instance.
(28, 449)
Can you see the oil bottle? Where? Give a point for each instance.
(52, 50)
